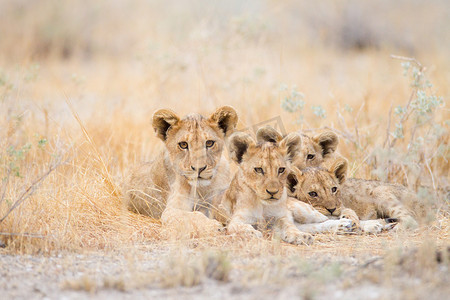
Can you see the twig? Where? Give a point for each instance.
(413, 93)
(405, 116)
(411, 59)
(405, 174)
(355, 120)
(388, 129)
(30, 190)
(25, 234)
(427, 164)
(371, 261)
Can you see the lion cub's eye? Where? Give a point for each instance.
(259, 170)
(312, 194)
(334, 189)
(209, 143)
(183, 145)
(310, 156)
(281, 170)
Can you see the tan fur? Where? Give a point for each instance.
(308, 219)
(366, 199)
(305, 216)
(179, 184)
(314, 151)
(257, 194)
(317, 150)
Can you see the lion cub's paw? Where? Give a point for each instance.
(246, 230)
(372, 226)
(297, 237)
(376, 226)
(345, 226)
(206, 224)
(214, 226)
(356, 225)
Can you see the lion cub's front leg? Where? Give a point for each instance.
(392, 207)
(241, 223)
(192, 224)
(368, 226)
(289, 233)
(303, 212)
(350, 214)
(179, 219)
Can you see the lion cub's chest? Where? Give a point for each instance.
(265, 215)
(204, 202)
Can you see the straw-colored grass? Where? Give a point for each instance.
(79, 83)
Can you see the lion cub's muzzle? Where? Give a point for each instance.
(273, 193)
(198, 169)
(200, 175)
(199, 172)
(332, 212)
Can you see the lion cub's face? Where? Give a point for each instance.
(313, 151)
(195, 143)
(265, 170)
(264, 165)
(319, 187)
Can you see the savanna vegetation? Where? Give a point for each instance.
(79, 82)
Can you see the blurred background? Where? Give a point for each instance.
(313, 65)
(147, 54)
(86, 76)
(45, 29)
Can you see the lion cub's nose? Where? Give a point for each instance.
(199, 170)
(272, 192)
(331, 210)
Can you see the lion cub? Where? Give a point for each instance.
(257, 195)
(314, 151)
(330, 193)
(180, 183)
(318, 152)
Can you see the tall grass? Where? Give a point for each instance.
(117, 62)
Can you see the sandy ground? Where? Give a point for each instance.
(336, 267)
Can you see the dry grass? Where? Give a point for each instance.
(78, 84)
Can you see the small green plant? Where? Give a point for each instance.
(293, 101)
(319, 111)
(14, 157)
(32, 73)
(42, 143)
(421, 107)
(418, 139)
(18, 181)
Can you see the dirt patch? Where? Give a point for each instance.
(338, 267)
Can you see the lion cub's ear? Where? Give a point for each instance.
(328, 141)
(239, 144)
(226, 118)
(293, 143)
(339, 169)
(163, 119)
(293, 179)
(268, 134)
